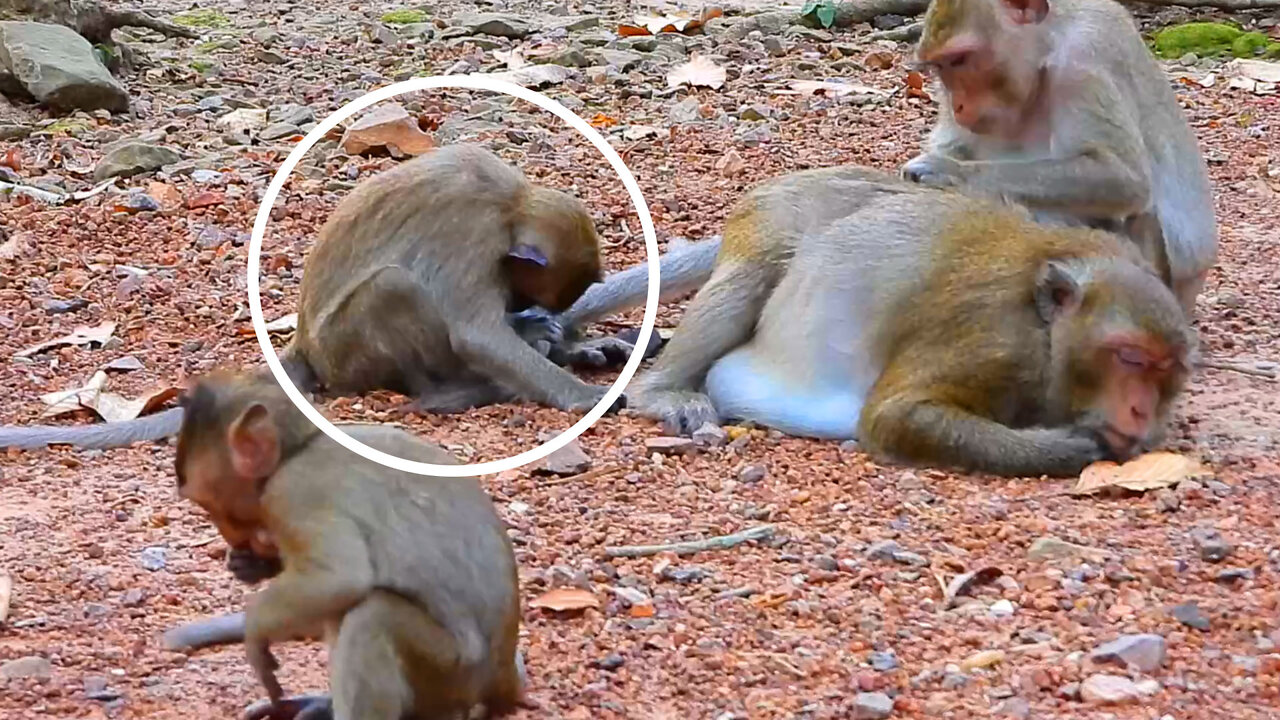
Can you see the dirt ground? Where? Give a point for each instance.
(103, 557)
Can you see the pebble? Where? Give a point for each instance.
(1168, 500)
(1230, 576)
(32, 666)
(1109, 690)
(883, 661)
(670, 445)
(872, 706)
(568, 460)
(1070, 691)
(1144, 653)
(611, 662)
(1001, 609)
(153, 558)
(752, 474)
(1213, 547)
(1189, 614)
(1052, 548)
(883, 550)
(711, 435)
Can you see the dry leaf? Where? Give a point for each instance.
(511, 58)
(10, 248)
(600, 120)
(1151, 471)
(639, 132)
(534, 75)
(962, 584)
(388, 125)
(288, 323)
(833, 88)
(6, 593)
(700, 70)
(879, 60)
(984, 659)
(243, 120)
(65, 401)
(562, 599)
(108, 406)
(82, 336)
(643, 611)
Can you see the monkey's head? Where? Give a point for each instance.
(988, 55)
(236, 430)
(1120, 349)
(555, 253)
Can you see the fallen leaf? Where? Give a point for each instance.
(1145, 472)
(915, 80)
(116, 408)
(288, 323)
(127, 363)
(833, 88)
(562, 599)
(511, 58)
(65, 401)
(639, 132)
(963, 583)
(983, 659)
(81, 336)
(642, 611)
(674, 22)
(243, 120)
(600, 120)
(534, 75)
(388, 125)
(6, 594)
(700, 70)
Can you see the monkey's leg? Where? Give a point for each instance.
(391, 659)
(926, 431)
(456, 397)
(721, 317)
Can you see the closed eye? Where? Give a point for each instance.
(1131, 358)
(958, 60)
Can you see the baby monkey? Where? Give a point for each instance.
(411, 579)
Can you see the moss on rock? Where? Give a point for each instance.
(404, 17)
(1207, 39)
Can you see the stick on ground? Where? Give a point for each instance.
(720, 542)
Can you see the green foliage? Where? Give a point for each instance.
(202, 18)
(201, 66)
(404, 17)
(1213, 40)
(824, 11)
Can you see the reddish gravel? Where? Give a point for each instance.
(786, 628)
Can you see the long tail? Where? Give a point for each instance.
(98, 437)
(683, 269)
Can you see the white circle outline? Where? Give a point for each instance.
(472, 82)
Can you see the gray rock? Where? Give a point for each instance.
(954, 680)
(499, 24)
(32, 666)
(872, 706)
(132, 158)
(910, 558)
(576, 23)
(774, 46)
(623, 60)
(711, 435)
(1109, 690)
(571, 57)
(275, 131)
(213, 102)
(153, 558)
(883, 550)
(752, 474)
(14, 132)
(568, 460)
(1144, 653)
(888, 21)
(1230, 576)
(269, 57)
(1213, 547)
(1189, 614)
(1168, 500)
(58, 67)
(291, 114)
(684, 111)
(422, 31)
(1052, 548)
(670, 445)
(883, 661)
(265, 36)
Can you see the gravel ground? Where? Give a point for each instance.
(811, 622)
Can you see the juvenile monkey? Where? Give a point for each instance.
(412, 579)
(1059, 106)
(933, 327)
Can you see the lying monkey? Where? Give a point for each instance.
(933, 327)
(418, 284)
(411, 579)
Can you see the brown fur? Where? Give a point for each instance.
(398, 570)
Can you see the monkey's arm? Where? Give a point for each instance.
(108, 435)
(928, 429)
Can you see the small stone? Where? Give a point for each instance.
(1219, 488)
(1247, 663)
(1189, 59)
(1001, 609)
(711, 435)
(58, 307)
(497, 24)
(1168, 500)
(883, 550)
(826, 562)
(153, 558)
(1052, 548)
(670, 445)
(954, 680)
(611, 662)
(275, 131)
(568, 460)
(752, 474)
(685, 111)
(1109, 690)
(133, 158)
(1070, 691)
(872, 706)
(1189, 614)
(1144, 653)
(1213, 547)
(883, 661)
(910, 558)
(1231, 576)
(32, 666)
(888, 21)
(133, 597)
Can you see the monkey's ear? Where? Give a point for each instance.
(1026, 12)
(253, 443)
(1057, 291)
(525, 253)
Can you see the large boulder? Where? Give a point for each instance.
(58, 68)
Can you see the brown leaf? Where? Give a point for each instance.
(562, 599)
(600, 120)
(108, 406)
(1151, 471)
(915, 80)
(700, 70)
(81, 336)
(984, 659)
(962, 584)
(389, 126)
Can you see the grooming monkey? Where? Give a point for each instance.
(418, 284)
(933, 327)
(1058, 105)
(411, 579)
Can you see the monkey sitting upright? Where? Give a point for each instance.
(1059, 105)
(935, 328)
(412, 579)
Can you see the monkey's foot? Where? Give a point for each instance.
(933, 171)
(594, 353)
(299, 707)
(681, 412)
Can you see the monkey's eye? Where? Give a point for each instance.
(958, 60)
(1132, 358)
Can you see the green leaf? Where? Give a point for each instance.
(809, 7)
(827, 14)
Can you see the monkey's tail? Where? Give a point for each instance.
(683, 268)
(109, 435)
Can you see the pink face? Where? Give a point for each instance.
(1137, 375)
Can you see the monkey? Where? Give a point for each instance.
(933, 327)
(411, 579)
(1059, 105)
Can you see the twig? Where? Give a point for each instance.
(583, 476)
(1242, 369)
(720, 542)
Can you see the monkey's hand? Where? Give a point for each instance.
(538, 327)
(250, 568)
(601, 352)
(934, 171)
(597, 394)
(264, 664)
(298, 707)
(681, 412)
